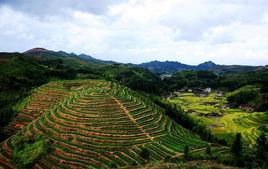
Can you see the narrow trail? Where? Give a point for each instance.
(131, 117)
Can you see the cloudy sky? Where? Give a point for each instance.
(188, 31)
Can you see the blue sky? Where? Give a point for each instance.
(188, 31)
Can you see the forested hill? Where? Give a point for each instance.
(171, 67)
(45, 53)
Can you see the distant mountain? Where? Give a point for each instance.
(163, 68)
(223, 69)
(41, 52)
(38, 65)
(171, 67)
(167, 67)
(45, 53)
(37, 51)
(206, 65)
(92, 59)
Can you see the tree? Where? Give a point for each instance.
(186, 152)
(237, 145)
(208, 150)
(262, 149)
(113, 165)
(145, 154)
(236, 149)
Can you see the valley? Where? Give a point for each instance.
(216, 114)
(62, 110)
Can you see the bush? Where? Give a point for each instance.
(261, 149)
(29, 150)
(241, 97)
(113, 165)
(186, 152)
(145, 154)
(208, 151)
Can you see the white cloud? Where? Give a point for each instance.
(191, 31)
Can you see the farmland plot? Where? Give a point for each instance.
(97, 124)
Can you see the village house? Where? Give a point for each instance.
(207, 90)
(219, 94)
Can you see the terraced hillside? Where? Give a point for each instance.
(95, 124)
(42, 99)
(224, 121)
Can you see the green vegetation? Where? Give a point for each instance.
(236, 149)
(208, 151)
(145, 154)
(186, 152)
(192, 79)
(95, 123)
(250, 95)
(54, 116)
(262, 150)
(134, 78)
(214, 112)
(21, 73)
(28, 150)
(237, 145)
(197, 80)
(175, 112)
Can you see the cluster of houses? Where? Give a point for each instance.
(202, 92)
(247, 108)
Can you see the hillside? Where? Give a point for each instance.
(171, 67)
(45, 53)
(216, 114)
(20, 73)
(39, 62)
(64, 110)
(167, 67)
(91, 123)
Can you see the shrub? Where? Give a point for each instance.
(208, 151)
(29, 150)
(145, 154)
(186, 152)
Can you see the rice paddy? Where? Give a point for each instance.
(214, 112)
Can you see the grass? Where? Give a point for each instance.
(29, 151)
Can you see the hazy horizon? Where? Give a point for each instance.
(137, 31)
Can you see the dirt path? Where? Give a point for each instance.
(131, 117)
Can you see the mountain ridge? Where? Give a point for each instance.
(171, 67)
(42, 52)
(158, 67)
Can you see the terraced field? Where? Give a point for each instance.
(221, 119)
(42, 99)
(96, 124)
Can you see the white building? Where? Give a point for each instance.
(207, 90)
